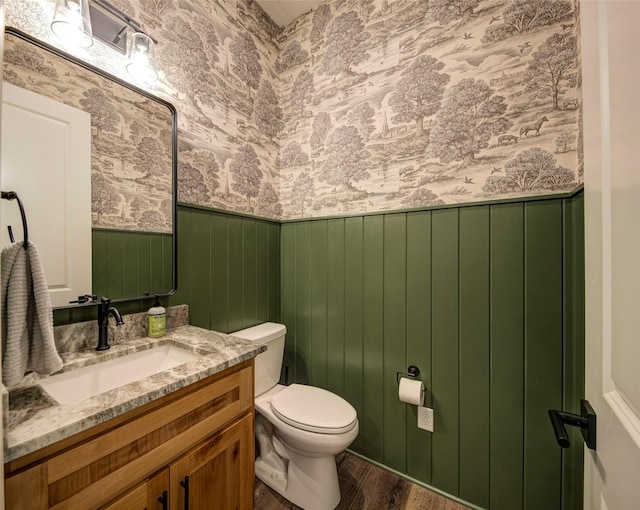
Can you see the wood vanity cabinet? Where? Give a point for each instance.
(195, 444)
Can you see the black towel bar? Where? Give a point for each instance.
(12, 195)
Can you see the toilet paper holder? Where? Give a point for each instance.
(412, 371)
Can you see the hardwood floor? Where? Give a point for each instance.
(365, 487)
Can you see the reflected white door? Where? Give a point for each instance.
(611, 86)
(46, 159)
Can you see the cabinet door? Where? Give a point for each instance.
(218, 473)
(151, 495)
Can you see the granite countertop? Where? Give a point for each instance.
(34, 420)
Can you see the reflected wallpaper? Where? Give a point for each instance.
(131, 137)
(360, 105)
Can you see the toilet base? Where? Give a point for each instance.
(311, 483)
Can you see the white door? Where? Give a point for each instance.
(611, 95)
(46, 160)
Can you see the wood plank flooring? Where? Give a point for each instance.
(365, 487)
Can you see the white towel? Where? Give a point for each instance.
(27, 316)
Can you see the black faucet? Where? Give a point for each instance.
(104, 309)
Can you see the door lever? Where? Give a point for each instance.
(586, 420)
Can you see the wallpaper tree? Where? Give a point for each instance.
(321, 128)
(319, 22)
(149, 152)
(301, 90)
(192, 186)
(267, 114)
(362, 118)
(25, 56)
(155, 10)
(246, 60)
(268, 203)
(293, 55)
(103, 118)
(347, 45)
(187, 64)
(522, 16)
(422, 197)
(347, 159)
(247, 176)
(302, 191)
(104, 198)
(292, 155)
(419, 92)
(470, 115)
(533, 169)
(205, 162)
(446, 11)
(553, 68)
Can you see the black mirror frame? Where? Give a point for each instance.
(174, 164)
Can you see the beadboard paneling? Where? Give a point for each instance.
(487, 301)
(228, 269)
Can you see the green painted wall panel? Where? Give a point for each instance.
(249, 273)
(543, 351)
(115, 268)
(353, 369)
(506, 400)
(394, 343)
(474, 355)
(143, 265)
(262, 271)
(288, 296)
(419, 336)
(200, 271)
(319, 274)
(273, 280)
(235, 267)
(445, 290)
(336, 306)
(372, 346)
(303, 303)
(219, 274)
(445, 350)
(130, 271)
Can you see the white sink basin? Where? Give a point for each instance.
(82, 383)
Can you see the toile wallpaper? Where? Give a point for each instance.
(360, 105)
(401, 104)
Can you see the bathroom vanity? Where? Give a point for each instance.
(181, 438)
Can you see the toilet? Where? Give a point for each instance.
(299, 428)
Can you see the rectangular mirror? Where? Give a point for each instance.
(130, 173)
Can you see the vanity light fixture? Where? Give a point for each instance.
(141, 58)
(72, 22)
(77, 22)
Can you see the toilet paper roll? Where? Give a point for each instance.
(411, 391)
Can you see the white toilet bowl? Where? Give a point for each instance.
(311, 477)
(299, 429)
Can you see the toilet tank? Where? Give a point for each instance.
(269, 363)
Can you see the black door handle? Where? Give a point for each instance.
(185, 485)
(586, 420)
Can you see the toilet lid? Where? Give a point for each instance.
(313, 409)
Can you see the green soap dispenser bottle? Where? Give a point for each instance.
(156, 320)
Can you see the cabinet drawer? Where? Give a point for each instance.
(96, 470)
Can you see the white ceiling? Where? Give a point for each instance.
(283, 12)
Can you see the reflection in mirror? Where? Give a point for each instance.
(132, 173)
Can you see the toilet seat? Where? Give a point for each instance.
(314, 410)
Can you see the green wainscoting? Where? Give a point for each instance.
(228, 269)
(125, 264)
(488, 301)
